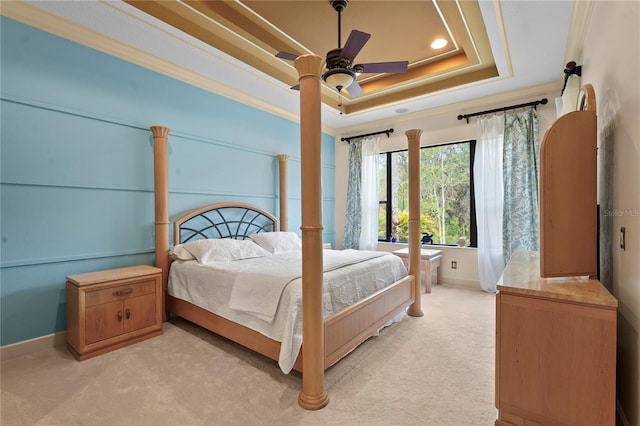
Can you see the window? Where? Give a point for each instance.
(447, 205)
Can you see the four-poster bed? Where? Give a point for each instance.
(363, 290)
(325, 340)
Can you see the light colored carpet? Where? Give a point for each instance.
(434, 370)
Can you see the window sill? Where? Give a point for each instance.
(388, 245)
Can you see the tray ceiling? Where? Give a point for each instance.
(254, 31)
(498, 51)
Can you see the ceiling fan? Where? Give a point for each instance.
(341, 71)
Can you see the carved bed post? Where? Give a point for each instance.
(284, 218)
(161, 187)
(413, 136)
(313, 395)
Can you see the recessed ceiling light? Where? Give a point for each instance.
(439, 43)
(401, 110)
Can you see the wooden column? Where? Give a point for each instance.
(313, 395)
(413, 136)
(284, 216)
(161, 186)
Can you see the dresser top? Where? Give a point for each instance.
(522, 276)
(113, 274)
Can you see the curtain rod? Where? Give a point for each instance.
(533, 104)
(368, 134)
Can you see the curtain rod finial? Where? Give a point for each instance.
(462, 117)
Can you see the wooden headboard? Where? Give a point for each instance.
(223, 220)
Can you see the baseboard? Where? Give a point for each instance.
(620, 414)
(27, 347)
(470, 284)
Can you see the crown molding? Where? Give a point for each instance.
(580, 19)
(43, 20)
(460, 107)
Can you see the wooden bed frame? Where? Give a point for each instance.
(343, 331)
(325, 341)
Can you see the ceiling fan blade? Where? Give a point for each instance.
(286, 55)
(380, 67)
(355, 89)
(355, 43)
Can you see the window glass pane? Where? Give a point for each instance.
(382, 177)
(445, 193)
(382, 196)
(399, 196)
(382, 222)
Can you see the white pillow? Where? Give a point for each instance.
(180, 252)
(215, 250)
(276, 242)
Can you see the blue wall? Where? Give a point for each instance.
(77, 167)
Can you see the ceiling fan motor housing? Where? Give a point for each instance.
(336, 60)
(339, 5)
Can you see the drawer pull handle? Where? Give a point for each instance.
(119, 315)
(123, 292)
(128, 313)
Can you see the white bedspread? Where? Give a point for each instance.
(211, 286)
(259, 293)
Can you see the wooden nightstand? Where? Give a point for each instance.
(110, 309)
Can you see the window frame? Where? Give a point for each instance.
(386, 204)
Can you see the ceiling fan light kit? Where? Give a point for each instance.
(339, 78)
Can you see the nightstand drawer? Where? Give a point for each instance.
(112, 294)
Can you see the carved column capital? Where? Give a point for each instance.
(160, 131)
(309, 65)
(413, 134)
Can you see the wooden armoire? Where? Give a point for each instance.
(555, 322)
(568, 203)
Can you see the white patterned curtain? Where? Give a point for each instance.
(370, 202)
(361, 224)
(520, 171)
(353, 221)
(488, 185)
